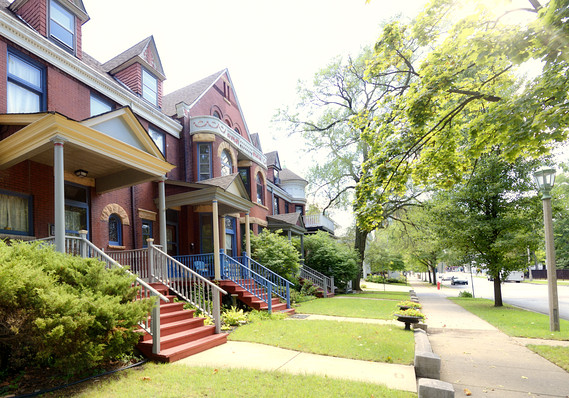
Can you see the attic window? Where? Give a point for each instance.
(61, 26)
(149, 87)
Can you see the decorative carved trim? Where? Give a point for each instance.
(114, 208)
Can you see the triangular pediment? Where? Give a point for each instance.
(76, 7)
(122, 124)
(144, 53)
(232, 184)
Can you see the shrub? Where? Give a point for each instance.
(410, 304)
(234, 317)
(63, 311)
(331, 257)
(275, 252)
(464, 293)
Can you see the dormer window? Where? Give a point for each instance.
(62, 26)
(149, 87)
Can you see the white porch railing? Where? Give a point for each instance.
(80, 246)
(318, 220)
(186, 283)
(319, 279)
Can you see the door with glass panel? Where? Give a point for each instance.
(76, 209)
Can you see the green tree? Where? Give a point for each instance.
(491, 216)
(560, 203)
(457, 91)
(275, 252)
(326, 255)
(323, 115)
(381, 255)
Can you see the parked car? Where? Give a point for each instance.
(459, 280)
(446, 277)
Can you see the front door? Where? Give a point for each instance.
(172, 238)
(76, 209)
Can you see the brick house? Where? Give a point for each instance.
(96, 149)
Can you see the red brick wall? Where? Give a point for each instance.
(3, 77)
(67, 96)
(34, 13)
(132, 77)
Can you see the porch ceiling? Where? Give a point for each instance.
(110, 162)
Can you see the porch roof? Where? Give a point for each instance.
(229, 192)
(287, 222)
(110, 161)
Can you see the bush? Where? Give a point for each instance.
(331, 258)
(62, 311)
(275, 252)
(234, 317)
(464, 293)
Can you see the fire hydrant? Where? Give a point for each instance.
(439, 285)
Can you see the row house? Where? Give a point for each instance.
(97, 150)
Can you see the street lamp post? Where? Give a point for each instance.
(545, 178)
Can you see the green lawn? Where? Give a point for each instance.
(174, 380)
(370, 342)
(376, 294)
(557, 355)
(514, 321)
(544, 282)
(349, 307)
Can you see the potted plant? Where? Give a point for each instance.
(409, 316)
(406, 304)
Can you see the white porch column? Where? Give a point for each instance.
(59, 197)
(247, 234)
(215, 224)
(162, 213)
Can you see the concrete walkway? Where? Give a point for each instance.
(478, 357)
(237, 354)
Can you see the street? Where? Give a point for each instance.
(525, 295)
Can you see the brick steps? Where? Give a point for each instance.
(253, 301)
(181, 335)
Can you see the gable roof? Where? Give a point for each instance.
(273, 160)
(231, 183)
(74, 6)
(189, 94)
(137, 53)
(255, 140)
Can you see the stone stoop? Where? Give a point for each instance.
(181, 335)
(251, 300)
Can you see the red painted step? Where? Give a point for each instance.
(181, 335)
(250, 299)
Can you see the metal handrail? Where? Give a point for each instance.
(283, 285)
(248, 279)
(319, 279)
(185, 282)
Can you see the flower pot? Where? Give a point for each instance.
(408, 320)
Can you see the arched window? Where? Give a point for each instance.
(115, 230)
(226, 163)
(216, 114)
(260, 190)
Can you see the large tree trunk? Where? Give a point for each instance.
(360, 246)
(498, 292)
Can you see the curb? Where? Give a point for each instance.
(428, 367)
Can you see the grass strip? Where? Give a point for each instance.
(175, 380)
(514, 321)
(378, 295)
(378, 343)
(349, 307)
(557, 355)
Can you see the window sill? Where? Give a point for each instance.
(17, 237)
(115, 247)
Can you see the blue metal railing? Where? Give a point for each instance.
(282, 285)
(200, 263)
(248, 279)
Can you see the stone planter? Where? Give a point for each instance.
(408, 320)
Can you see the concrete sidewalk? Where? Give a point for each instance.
(237, 354)
(478, 357)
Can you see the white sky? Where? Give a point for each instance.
(267, 45)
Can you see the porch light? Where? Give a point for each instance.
(81, 173)
(544, 177)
